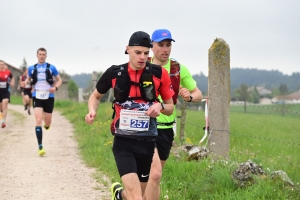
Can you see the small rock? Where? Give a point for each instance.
(283, 176)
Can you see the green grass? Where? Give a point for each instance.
(263, 135)
(16, 100)
(269, 139)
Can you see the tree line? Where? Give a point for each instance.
(240, 79)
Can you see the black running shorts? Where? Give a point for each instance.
(4, 95)
(164, 142)
(133, 156)
(27, 92)
(46, 104)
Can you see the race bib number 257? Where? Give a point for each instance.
(134, 120)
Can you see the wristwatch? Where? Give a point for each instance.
(191, 98)
(162, 106)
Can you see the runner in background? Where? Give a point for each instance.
(162, 45)
(26, 92)
(6, 80)
(41, 76)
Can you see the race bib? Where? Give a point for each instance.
(2, 84)
(42, 94)
(134, 120)
(27, 86)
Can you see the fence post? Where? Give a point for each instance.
(94, 79)
(182, 121)
(80, 95)
(109, 95)
(219, 99)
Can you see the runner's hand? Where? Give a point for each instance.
(90, 117)
(52, 89)
(154, 110)
(184, 93)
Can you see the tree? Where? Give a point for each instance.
(255, 95)
(243, 94)
(23, 67)
(64, 76)
(283, 89)
(72, 89)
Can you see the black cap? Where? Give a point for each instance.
(139, 38)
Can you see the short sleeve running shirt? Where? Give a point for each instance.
(186, 81)
(41, 83)
(5, 77)
(162, 87)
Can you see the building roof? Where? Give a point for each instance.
(292, 96)
(260, 90)
(13, 67)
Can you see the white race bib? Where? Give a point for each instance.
(134, 120)
(42, 94)
(27, 86)
(2, 84)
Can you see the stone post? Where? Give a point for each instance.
(182, 121)
(94, 79)
(80, 95)
(109, 95)
(219, 99)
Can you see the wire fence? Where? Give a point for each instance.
(248, 135)
(266, 107)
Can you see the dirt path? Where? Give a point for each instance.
(60, 174)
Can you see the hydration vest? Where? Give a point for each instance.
(146, 83)
(174, 76)
(49, 77)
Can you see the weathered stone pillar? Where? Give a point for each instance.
(109, 95)
(182, 121)
(80, 95)
(94, 79)
(219, 99)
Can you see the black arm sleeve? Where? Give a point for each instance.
(104, 83)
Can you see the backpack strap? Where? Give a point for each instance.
(175, 78)
(34, 75)
(49, 77)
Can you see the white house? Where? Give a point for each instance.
(293, 98)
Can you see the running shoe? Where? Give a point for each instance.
(29, 113)
(42, 151)
(3, 125)
(46, 127)
(116, 190)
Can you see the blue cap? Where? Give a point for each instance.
(161, 34)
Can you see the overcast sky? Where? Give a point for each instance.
(91, 35)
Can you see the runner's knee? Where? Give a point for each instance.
(155, 174)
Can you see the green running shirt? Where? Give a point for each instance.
(186, 81)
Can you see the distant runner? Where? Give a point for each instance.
(6, 80)
(41, 76)
(26, 92)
